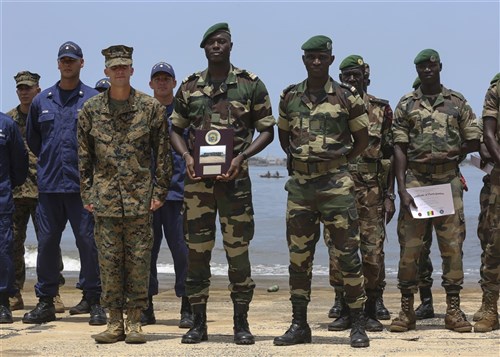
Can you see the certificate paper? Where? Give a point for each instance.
(432, 201)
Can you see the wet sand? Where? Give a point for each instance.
(269, 316)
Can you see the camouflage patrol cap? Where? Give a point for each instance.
(352, 61)
(27, 78)
(70, 49)
(416, 83)
(317, 43)
(102, 83)
(117, 55)
(427, 55)
(219, 27)
(495, 79)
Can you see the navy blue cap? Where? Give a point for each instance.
(163, 67)
(103, 83)
(70, 49)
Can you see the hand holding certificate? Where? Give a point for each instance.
(432, 201)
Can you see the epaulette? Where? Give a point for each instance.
(380, 101)
(191, 77)
(289, 88)
(349, 87)
(249, 74)
(457, 94)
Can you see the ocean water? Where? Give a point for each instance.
(268, 249)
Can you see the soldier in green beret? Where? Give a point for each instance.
(322, 126)
(448, 130)
(221, 97)
(374, 182)
(122, 132)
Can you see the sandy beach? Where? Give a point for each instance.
(269, 316)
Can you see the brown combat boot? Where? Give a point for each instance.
(16, 302)
(489, 318)
(455, 319)
(406, 319)
(479, 313)
(115, 331)
(133, 326)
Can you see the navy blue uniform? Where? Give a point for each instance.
(51, 136)
(168, 220)
(13, 172)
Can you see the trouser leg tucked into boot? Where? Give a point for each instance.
(242, 334)
(425, 310)
(455, 319)
(115, 331)
(338, 304)
(381, 312)
(371, 322)
(406, 319)
(489, 318)
(299, 332)
(148, 314)
(198, 332)
(133, 331)
(343, 322)
(358, 335)
(186, 320)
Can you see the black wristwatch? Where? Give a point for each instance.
(391, 196)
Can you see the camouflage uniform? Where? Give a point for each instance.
(368, 172)
(321, 188)
(434, 134)
(115, 159)
(242, 103)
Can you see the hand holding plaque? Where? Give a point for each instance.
(213, 151)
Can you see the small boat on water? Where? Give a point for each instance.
(269, 175)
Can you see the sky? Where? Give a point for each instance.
(266, 35)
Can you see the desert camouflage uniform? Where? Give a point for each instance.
(116, 146)
(321, 188)
(434, 134)
(241, 102)
(490, 267)
(369, 172)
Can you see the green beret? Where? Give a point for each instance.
(318, 43)
(117, 55)
(427, 55)
(221, 26)
(27, 78)
(416, 83)
(352, 61)
(495, 79)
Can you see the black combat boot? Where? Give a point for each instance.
(381, 311)
(299, 332)
(148, 315)
(82, 307)
(343, 322)
(338, 304)
(97, 313)
(186, 320)
(198, 332)
(371, 322)
(358, 335)
(5, 313)
(43, 312)
(425, 310)
(242, 334)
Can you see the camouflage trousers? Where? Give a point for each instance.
(483, 231)
(327, 199)
(233, 202)
(24, 209)
(450, 233)
(124, 247)
(490, 259)
(369, 204)
(425, 267)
